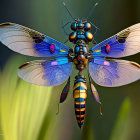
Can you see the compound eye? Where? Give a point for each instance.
(89, 36)
(74, 26)
(72, 36)
(87, 26)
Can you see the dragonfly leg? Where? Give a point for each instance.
(95, 94)
(57, 110)
(66, 41)
(94, 41)
(96, 28)
(63, 27)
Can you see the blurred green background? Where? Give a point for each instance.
(28, 112)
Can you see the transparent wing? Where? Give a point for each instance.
(112, 73)
(30, 42)
(124, 43)
(46, 73)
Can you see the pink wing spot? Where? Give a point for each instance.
(106, 63)
(107, 48)
(54, 63)
(52, 48)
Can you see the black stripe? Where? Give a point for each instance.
(78, 118)
(79, 112)
(80, 124)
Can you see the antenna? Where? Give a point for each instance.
(91, 10)
(68, 10)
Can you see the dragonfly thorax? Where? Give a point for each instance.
(80, 55)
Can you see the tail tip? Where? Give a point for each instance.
(80, 125)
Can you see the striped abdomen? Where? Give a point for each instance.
(80, 94)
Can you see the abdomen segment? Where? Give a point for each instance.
(80, 94)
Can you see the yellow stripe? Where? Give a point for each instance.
(84, 85)
(80, 103)
(79, 91)
(80, 109)
(97, 50)
(79, 95)
(80, 116)
(80, 84)
(62, 51)
(76, 85)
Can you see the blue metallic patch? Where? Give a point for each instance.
(80, 37)
(117, 47)
(52, 41)
(77, 48)
(79, 99)
(80, 25)
(99, 61)
(79, 106)
(58, 61)
(80, 80)
(43, 47)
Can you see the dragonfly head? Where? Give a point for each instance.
(80, 24)
(81, 31)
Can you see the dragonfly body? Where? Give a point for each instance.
(105, 72)
(80, 37)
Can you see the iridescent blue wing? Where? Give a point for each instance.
(30, 42)
(46, 73)
(112, 73)
(124, 43)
